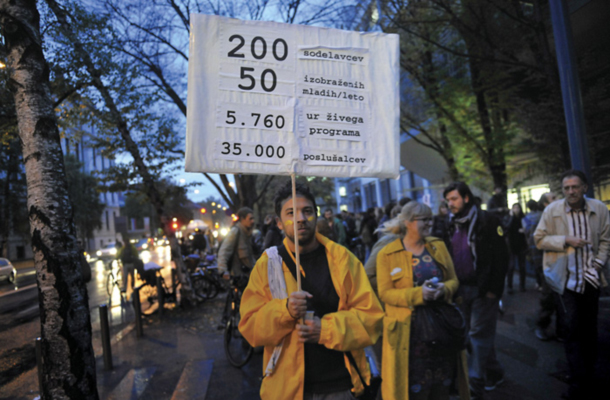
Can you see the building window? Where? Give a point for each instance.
(107, 221)
(342, 191)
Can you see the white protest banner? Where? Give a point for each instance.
(272, 98)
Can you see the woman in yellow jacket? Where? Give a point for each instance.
(405, 270)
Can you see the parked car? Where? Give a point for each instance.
(107, 252)
(7, 270)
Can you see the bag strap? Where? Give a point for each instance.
(350, 357)
(288, 258)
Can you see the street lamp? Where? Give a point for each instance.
(2, 65)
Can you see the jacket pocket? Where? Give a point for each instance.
(397, 274)
(395, 332)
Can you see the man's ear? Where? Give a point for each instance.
(279, 223)
(466, 199)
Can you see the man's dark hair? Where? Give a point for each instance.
(327, 210)
(575, 172)
(462, 189)
(285, 193)
(243, 212)
(532, 204)
(404, 201)
(388, 208)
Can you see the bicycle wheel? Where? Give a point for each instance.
(200, 286)
(237, 349)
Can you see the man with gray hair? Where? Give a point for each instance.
(575, 236)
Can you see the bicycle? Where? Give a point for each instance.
(237, 349)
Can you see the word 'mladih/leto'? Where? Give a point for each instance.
(329, 55)
(333, 94)
(333, 158)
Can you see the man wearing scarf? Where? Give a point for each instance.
(480, 257)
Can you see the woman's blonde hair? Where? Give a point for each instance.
(409, 212)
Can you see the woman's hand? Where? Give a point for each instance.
(428, 291)
(433, 291)
(440, 291)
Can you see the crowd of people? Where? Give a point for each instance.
(420, 270)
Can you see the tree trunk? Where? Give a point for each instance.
(68, 359)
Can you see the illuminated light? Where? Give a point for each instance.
(218, 205)
(183, 181)
(144, 246)
(213, 204)
(232, 184)
(2, 65)
(215, 234)
(214, 212)
(234, 217)
(342, 191)
(175, 226)
(203, 210)
(196, 191)
(191, 237)
(145, 256)
(113, 251)
(224, 209)
(174, 219)
(216, 225)
(98, 253)
(224, 231)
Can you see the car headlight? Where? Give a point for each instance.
(113, 251)
(144, 246)
(98, 253)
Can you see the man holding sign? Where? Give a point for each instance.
(315, 356)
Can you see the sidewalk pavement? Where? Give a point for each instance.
(181, 356)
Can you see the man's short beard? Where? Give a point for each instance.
(302, 242)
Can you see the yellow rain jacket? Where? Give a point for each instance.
(395, 286)
(265, 321)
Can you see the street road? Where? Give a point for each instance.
(19, 311)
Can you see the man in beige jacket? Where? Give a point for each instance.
(575, 236)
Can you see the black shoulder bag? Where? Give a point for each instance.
(370, 391)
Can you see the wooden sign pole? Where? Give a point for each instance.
(296, 231)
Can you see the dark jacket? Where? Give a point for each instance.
(489, 251)
(516, 239)
(273, 237)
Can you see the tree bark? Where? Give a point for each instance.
(68, 358)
